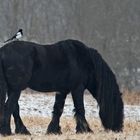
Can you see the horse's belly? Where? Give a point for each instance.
(48, 86)
(49, 82)
(56, 78)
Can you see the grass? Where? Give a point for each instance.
(131, 97)
(38, 125)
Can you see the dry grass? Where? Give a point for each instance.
(38, 125)
(131, 98)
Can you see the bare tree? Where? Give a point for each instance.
(113, 27)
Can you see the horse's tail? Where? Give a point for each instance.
(106, 91)
(3, 89)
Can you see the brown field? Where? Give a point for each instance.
(38, 126)
(131, 98)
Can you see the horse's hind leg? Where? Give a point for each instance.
(20, 127)
(2, 105)
(82, 125)
(54, 127)
(8, 110)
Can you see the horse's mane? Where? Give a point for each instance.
(108, 93)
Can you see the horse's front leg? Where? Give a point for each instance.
(20, 128)
(54, 127)
(82, 125)
(8, 110)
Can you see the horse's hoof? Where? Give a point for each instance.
(23, 131)
(90, 131)
(84, 131)
(5, 132)
(56, 131)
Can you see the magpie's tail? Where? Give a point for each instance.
(8, 40)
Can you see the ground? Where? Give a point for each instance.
(36, 113)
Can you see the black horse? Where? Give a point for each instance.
(67, 66)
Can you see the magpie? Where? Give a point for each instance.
(18, 35)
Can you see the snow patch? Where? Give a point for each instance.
(42, 105)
